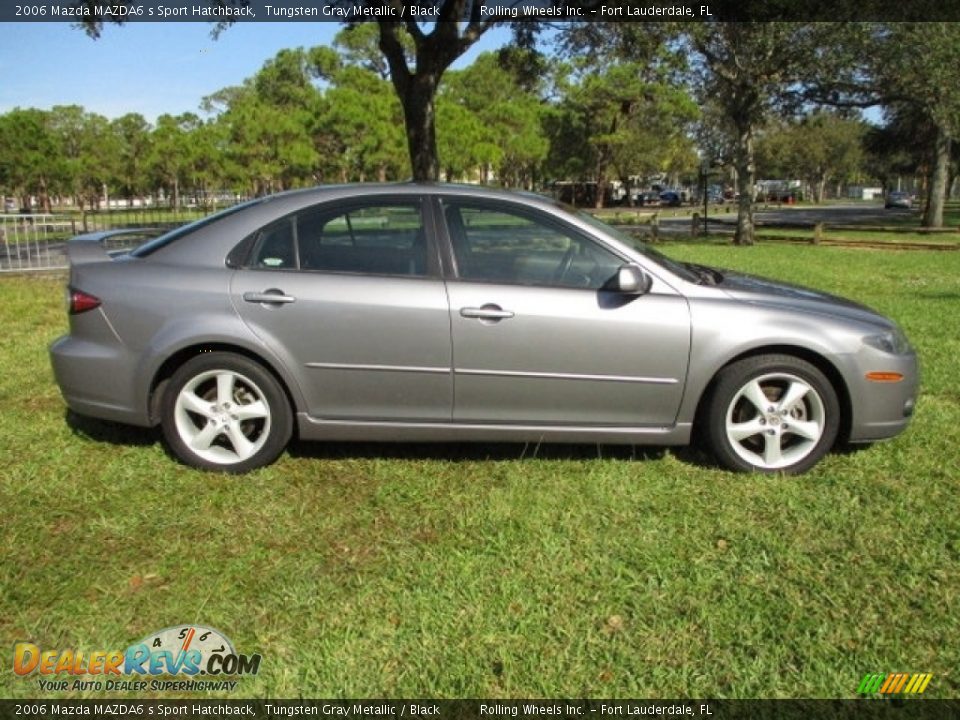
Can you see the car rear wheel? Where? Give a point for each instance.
(225, 412)
(772, 413)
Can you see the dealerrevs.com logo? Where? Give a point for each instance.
(184, 652)
(894, 683)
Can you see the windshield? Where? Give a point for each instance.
(163, 240)
(658, 257)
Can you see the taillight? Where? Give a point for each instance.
(80, 301)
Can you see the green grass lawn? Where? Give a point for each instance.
(498, 570)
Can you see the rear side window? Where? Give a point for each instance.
(274, 246)
(374, 239)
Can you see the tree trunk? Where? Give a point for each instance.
(937, 191)
(420, 122)
(44, 197)
(435, 52)
(628, 188)
(745, 182)
(601, 191)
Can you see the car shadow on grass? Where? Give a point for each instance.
(104, 431)
(471, 452)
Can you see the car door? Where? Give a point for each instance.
(537, 341)
(351, 298)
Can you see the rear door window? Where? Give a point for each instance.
(386, 239)
(377, 238)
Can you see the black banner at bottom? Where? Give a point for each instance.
(866, 709)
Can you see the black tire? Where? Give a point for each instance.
(225, 412)
(790, 434)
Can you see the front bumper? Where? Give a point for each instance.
(882, 410)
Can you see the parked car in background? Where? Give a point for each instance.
(898, 199)
(650, 198)
(670, 198)
(447, 313)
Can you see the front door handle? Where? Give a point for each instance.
(489, 311)
(269, 297)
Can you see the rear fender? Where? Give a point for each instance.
(211, 331)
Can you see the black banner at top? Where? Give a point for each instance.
(556, 709)
(480, 10)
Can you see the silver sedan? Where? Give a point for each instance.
(432, 312)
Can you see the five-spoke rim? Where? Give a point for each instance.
(222, 416)
(775, 420)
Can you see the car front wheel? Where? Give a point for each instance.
(225, 412)
(772, 413)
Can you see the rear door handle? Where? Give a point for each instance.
(486, 312)
(269, 297)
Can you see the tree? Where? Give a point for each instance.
(898, 148)
(207, 169)
(626, 98)
(416, 87)
(132, 133)
(505, 130)
(915, 68)
(816, 148)
(358, 128)
(635, 127)
(30, 161)
(458, 25)
(465, 144)
(171, 153)
(358, 44)
(265, 125)
(753, 70)
(270, 149)
(89, 151)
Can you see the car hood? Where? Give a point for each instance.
(763, 291)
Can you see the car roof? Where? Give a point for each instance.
(408, 187)
(241, 219)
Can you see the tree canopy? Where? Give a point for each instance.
(608, 104)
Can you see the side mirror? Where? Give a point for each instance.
(630, 280)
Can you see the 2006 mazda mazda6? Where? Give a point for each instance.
(433, 312)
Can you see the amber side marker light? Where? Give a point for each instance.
(884, 376)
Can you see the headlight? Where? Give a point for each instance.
(891, 341)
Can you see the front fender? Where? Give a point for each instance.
(723, 332)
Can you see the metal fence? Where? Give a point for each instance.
(37, 242)
(34, 242)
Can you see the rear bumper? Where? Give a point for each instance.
(95, 380)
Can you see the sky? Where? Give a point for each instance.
(148, 68)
